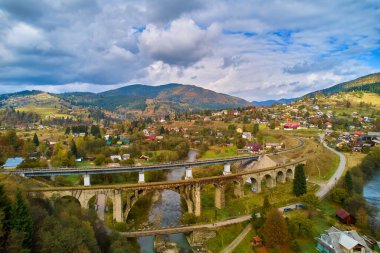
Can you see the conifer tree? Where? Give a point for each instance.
(266, 205)
(35, 140)
(5, 210)
(348, 182)
(21, 222)
(299, 182)
(73, 148)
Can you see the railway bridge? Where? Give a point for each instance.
(86, 172)
(124, 196)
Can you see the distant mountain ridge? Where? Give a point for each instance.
(175, 96)
(369, 83)
(274, 102)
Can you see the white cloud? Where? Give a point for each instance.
(26, 37)
(182, 43)
(254, 49)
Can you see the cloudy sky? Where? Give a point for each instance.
(256, 50)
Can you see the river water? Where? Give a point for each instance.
(371, 192)
(167, 212)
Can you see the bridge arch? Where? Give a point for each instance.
(280, 177)
(69, 198)
(289, 174)
(255, 185)
(268, 180)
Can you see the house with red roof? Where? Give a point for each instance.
(151, 137)
(345, 217)
(292, 125)
(254, 147)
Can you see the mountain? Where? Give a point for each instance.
(19, 94)
(166, 97)
(128, 101)
(370, 83)
(274, 102)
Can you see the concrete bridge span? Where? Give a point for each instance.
(124, 196)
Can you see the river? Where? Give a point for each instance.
(371, 192)
(167, 212)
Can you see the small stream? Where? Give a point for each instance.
(371, 192)
(167, 212)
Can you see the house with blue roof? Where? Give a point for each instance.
(12, 163)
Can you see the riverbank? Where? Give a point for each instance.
(371, 192)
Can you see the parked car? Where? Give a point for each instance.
(300, 206)
(287, 209)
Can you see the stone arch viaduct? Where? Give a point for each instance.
(125, 196)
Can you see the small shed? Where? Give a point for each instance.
(345, 217)
(257, 241)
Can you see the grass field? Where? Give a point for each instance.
(371, 98)
(354, 159)
(321, 163)
(280, 195)
(245, 245)
(224, 237)
(220, 152)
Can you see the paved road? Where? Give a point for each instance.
(322, 192)
(237, 240)
(175, 230)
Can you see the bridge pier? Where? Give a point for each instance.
(141, 177)
(239, 189)
(86, 180)
(197, 199)
(117, 201)
(220, 199)
(187, 194)
(189, 173)
(227, 169)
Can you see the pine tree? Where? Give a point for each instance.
(5, 209)
(95, 131)
(275, 229)
(299, 182)
(73, 148)
(35, 140)
(266, 205)
(348, 182)
(67, 132)
(255, 128)
(162, 130)
(21, 221)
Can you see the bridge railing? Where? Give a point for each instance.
(164, 164)
(142, 167)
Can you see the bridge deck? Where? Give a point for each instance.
(184, 229)
(167, 184)
(123, 169)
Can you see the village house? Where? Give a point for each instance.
(337, 241)
(254, 147)
(51, 142)
(292, 125)
(151, 137)
(273, 145)
(328, 124)
(12, 163)
(145, 132)
(345, 217)
(126, 156)
(246, 135)
(115, 158)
